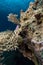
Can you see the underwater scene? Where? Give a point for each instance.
(21, 32)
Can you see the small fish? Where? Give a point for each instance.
(11, 17)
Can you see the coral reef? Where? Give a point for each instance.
(28, 35)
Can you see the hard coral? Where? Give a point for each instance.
(28, 35)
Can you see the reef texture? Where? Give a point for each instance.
(28, 35)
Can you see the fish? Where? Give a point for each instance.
(12, 18)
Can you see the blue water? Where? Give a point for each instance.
(15, 58)
(6, 7)
(11, 6)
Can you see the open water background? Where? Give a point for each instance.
(6, 7)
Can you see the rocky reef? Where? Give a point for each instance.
(28, 35)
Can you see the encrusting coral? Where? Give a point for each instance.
(28, 35)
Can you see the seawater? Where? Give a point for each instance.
(6, 7)
(15, 58)
(11, 6)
